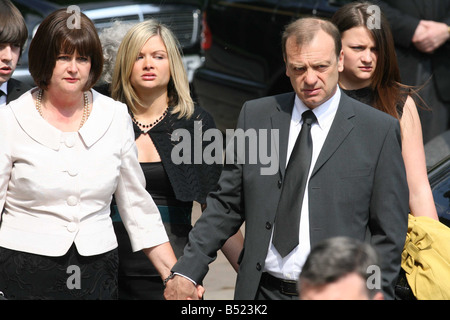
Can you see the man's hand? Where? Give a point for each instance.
(430, 35)
(180, 288)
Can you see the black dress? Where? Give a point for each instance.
(138, 278)
(68, 277)
(367, 96)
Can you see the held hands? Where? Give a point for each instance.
(180, 288)
(430, 35)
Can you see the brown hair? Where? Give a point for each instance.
(55, 36)
(305, 29)
(12, 25)
(386, 78)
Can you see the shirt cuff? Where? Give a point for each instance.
(182, 275)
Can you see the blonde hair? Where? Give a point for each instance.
(178, 88)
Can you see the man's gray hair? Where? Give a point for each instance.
(111, 38)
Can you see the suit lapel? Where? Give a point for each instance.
(15, 90)
(339, 130)
(281, 121)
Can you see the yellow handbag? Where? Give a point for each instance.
(426, 258)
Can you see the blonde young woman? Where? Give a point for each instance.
(150, 78)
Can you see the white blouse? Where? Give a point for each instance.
(56, 187)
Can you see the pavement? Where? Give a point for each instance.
(220, 281)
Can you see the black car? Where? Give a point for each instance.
(439, 177)
(242, 51)
(182, 16)
(437, 152)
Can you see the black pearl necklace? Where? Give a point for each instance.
(146, 127)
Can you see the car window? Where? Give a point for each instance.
(338, 3)
(441, 194)
(65, 3)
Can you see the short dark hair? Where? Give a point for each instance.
(12, 25)
(305, 29)
(54, 36)
(334, 258)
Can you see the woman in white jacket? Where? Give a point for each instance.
(64, 151)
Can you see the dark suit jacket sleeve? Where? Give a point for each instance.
(389, 208)
(16, 89)
(222, 218)
(447, 20)
(402, 24)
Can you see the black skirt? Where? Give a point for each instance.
(27, 276)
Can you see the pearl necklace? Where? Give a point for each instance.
(143, 127)
(86, 111)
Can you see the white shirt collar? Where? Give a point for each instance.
(4, 87)
(324, 113)
(3, 98)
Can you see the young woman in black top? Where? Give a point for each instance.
(150, 78)
(371, 75)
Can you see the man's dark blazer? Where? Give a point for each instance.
(404, 17)
(358, 184)
(15, 89)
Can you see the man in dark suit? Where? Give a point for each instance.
(357, 182)
(421, 30)
(13, 35)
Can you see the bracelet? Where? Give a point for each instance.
(168, 278)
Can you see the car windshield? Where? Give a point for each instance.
(158, 2)
(276, 2)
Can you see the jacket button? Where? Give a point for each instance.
(72, 201)
(72, 227)
(70, 142)
(258, 266)
(279, 184)
(72, 172)
(268, 225)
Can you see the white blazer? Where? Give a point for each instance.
(56, 187)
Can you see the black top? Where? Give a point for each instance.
(190, 181)
(367, 96)
(158, 185)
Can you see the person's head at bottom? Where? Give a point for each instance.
(341, 269)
